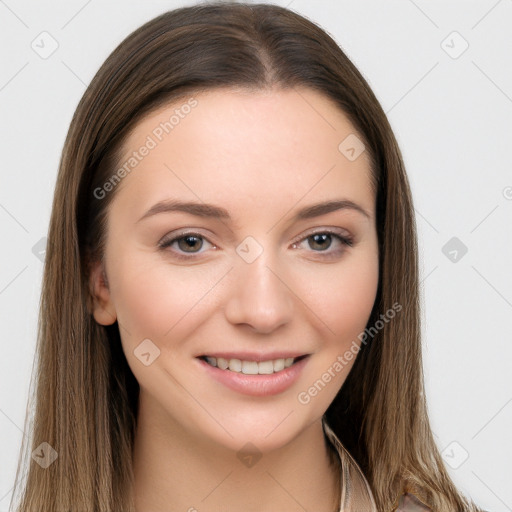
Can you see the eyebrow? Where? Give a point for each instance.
(217, 212)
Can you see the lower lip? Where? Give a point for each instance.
(257, 385)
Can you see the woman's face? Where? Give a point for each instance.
(217, 247)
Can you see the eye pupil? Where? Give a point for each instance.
(320, 238)
(191, 242)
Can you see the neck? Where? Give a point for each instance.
(175, 471)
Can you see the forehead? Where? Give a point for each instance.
(255, 147)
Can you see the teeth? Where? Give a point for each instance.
(251, 367)
(278, 365)
(235, 365)
(212, 361)
(222, 363)
(265, 367)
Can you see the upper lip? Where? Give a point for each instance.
(254, 356)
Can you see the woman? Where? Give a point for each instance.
(230, 309)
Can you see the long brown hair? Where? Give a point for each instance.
(85, 393)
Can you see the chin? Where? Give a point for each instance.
(268, 429)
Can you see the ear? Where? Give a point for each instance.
(102, 307)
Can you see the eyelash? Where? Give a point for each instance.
(346, 241)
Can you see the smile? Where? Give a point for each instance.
(265, 377)
(251, 367)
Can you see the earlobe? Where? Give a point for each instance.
(102, 307)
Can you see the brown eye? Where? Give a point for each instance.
(189, 243)
(186, 245)
(325, 244)
(321, 241)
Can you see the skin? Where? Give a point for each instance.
(262, 156)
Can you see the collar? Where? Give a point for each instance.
(356, 493)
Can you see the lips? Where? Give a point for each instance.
(240, 374)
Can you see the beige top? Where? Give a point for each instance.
(356, 495)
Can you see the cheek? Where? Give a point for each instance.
(343, 297)
(343, 300)
(157, 300)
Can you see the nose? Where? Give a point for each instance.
(259, 296)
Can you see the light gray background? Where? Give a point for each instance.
(452, 117)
